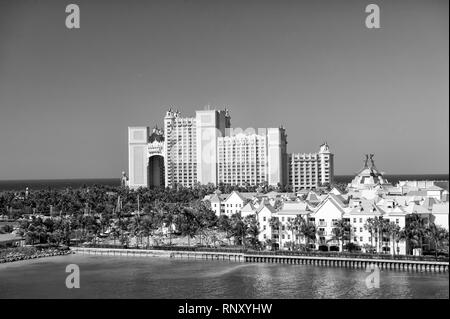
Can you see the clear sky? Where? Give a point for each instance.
(68, 96)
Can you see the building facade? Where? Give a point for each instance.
(204, 149)
(311, 170)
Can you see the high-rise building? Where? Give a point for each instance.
(311, 170)
(242, 159)
(180, 149)
(253, 158)
(204, 149)
(210, 126)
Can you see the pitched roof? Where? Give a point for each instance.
(313, 197)
(441, 208)
(416, 193)
(242, 198)
(266, 205)
(334, 200)
(366, 207)
(433, 188)
(416, 209)
(295, 208)
(428, 202)
(249, 207)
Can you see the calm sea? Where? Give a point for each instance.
(74, 183)
(125, 277)
(56, 183)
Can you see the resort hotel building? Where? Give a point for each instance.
(205, 149)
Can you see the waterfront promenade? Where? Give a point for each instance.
(268, 257)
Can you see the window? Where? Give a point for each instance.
(354, 220)
(264, 219)
(360, 229)
(354, 229)
(282, 236)
(355, 239)
(360, 238)
(360, 220)
(397, 221)
(264, 227)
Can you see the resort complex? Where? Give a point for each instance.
(205, 149)
(370, 216)
(198, 181)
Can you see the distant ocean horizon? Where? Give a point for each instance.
(81, 182)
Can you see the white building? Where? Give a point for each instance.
(204, 149)
(325, 217)
(311, 170)
(440, 214)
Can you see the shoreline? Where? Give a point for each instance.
(358, 263)
(12, 259)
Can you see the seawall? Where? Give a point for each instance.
(406, 265)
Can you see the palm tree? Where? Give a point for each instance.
(393, 231)
(378, 226)
(437, 235)
(299, 221)
(275, 225)
(238, 228)
(415, 230)
(292, 226)
(252, 231)
(224, 225)
(371, 228)
(309, 231)
(341, 231)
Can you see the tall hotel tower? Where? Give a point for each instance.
(190, 146)
(204, 149)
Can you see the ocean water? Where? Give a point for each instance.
(74, 183)
(56, 183)
(147, 277)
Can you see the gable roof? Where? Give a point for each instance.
(266, 205)
(335, 191)
(237, 194)
(249, 207)
(334, 200)
(313, 197)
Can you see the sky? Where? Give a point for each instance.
(67, 96)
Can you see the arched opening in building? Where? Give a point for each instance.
(156, 171)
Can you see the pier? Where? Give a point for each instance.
(357, 263)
